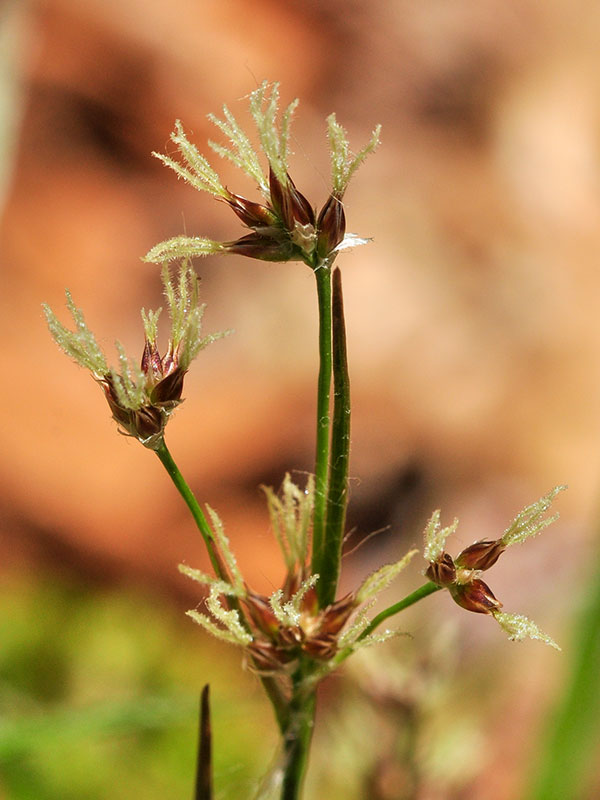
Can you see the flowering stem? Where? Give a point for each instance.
(414, 597)
(184, 490)
(323, 277)
(337, 496)
(270, 685)
(297, 736)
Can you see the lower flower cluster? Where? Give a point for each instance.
(277, 632)
(288, 626)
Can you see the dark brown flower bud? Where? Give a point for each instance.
(292, 582)
(323, 646)
(151, 362)
(261, 613)
(335, 616)
(475, 596)
(442, 571)
(121, 415)
(480, 555)
(290, 637)
(169, 361)
(310, 602)
(254, 215)
(265, 656)
(289, 204)
(169, 389)
(147, 421)
(331, 226)
(303, 212)
(264, 248)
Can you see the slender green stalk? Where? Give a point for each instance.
(414, 597)
(278, 701)
(337, 496)
(297, 736)
(270, 686)
(323, 277)
(184, 490)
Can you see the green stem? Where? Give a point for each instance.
(184, 490)
(297, 736)
(271, 687)
(414, 597)
(278, 701)
(323, 278)
(337, 497)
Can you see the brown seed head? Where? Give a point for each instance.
(475, 596)
(168, 390)
(152, 365)
(289, 204)
(254, 215)
(264, 248)
(442, 571)
(323, 647)
(261, 613)
(335, 616)
(480, 555)
(265, 656)
(331, 226)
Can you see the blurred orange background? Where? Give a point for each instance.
(474, 332)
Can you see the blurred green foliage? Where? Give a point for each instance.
(567, 763)
(99, 694)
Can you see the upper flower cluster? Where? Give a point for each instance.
(285, 226)
(142, 398)
(460, 575)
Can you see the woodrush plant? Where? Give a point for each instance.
(296, 637)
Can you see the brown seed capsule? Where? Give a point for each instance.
(121, 415)
(331, 226)
(265, 656)
(323, 646)
(304, 213)
(261, 613)
(264, 248)
(292, 583)
(480, 555)
(254, 215)
(289, 204)
(152, 365)
(290, 637)
(335, 616)
(475, 596)
(442, 571)
(147, 421)
(168, 390)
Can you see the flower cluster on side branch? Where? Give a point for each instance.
(143, 397)
(461, 575)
